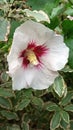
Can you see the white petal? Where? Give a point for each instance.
(22, 78)
(27, 32)
(18, 80)
(18, 45)
(58, 53)
(14, 63)
(30, 73)
(33, 31)
(70, 17)
(43, 79)
(13, 66)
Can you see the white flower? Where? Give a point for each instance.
(37, 53)
(70, 17)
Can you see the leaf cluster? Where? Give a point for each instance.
(50, 109)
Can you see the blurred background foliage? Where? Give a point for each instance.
(28, 109)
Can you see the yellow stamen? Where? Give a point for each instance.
(32, 57)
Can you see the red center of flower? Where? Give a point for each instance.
(32, 54)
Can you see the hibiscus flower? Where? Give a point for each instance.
(36, 55)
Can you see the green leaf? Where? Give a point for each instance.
(3, 1)
(57, 11)
(14, 25)
(54, 23)
(59, 86)
(9, 115)
(64, 125)
(66, 99)
(67, 69)
(37, 102)
(13, 127)
(71, 58)
(69, 11)
(25, 126)
(71, 1)
(26, 118)
(50, 106)
(50, 5)
(23, 104)
(69, 43)
(67, 27)
(71, 125)
(6, 48)
(55, 121)
(38, 15)
(27, 93)
(4, 29)
(45, 5)
(5, 103)
(69, 108)
(65, 116)
(4, 76)
(40, 93)
(11, 1)
(22, 95)
(2, 128)
(39, 4)
(6, 92)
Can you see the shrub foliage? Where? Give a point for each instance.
(29, 109)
